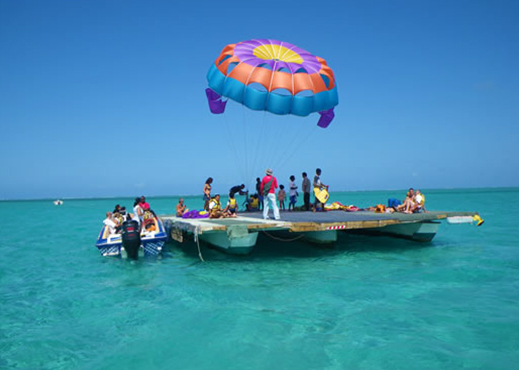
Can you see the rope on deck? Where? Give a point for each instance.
(281, 239)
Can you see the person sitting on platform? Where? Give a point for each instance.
(419, 202)
(181, 208)
(252, 203)
(231, 209)
(215, 209)
(408, 205)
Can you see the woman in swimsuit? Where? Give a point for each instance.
(207, 193)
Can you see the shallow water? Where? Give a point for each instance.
(366, 303)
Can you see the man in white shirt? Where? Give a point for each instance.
(292, 192)
(112, 226)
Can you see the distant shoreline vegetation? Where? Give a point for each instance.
(426, 190)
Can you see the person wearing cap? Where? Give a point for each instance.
(268, 188)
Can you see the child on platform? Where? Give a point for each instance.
(281, 197)
(292, 193)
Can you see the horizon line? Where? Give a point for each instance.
(192, 195)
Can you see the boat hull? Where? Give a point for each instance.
(419, 232)
(242, 245)
(152, 244)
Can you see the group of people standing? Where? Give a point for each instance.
(263, 199)
(268, 185)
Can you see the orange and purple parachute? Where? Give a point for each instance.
(274, 76)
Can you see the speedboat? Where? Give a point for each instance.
(58, 202)
(152, 239)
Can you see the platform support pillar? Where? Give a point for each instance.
(321, 237)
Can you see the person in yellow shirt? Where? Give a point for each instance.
(231, 209)
(419, 202)
(215, 209)
(252, 203)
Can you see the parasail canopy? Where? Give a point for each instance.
(274, 76)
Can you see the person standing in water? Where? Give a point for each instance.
(268, 188)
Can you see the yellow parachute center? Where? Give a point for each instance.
(277, 52)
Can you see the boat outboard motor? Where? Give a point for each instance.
(131, 238)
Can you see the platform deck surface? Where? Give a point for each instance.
(308, 221)
(342, 216)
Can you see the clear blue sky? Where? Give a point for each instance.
(106, 98)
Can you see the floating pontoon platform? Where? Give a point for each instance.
(239, 235)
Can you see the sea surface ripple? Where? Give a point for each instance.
(365, 303)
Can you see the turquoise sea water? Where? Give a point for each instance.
(366, 303)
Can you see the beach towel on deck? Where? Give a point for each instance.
(194, 214)
(340, 206)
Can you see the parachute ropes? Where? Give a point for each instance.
(274, 76)
(277, 77)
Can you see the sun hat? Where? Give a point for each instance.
(268, 171)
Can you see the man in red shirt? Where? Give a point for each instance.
(144, 205)
(268, 188)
